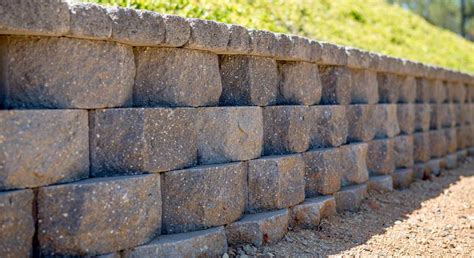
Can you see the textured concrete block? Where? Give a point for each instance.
(177, 30)
(462, 137)
(336, 84)
(361, 125)
(208, 35)
(404, 147)
(385, 120)
(322, 171)
(176, 77)
(389, 87)
(89, 20)
(437, 143)
(31, 17)
(239, 40)
(381, 156)
(350, 198)
(421, 147)
(81, 218)
(286, 129)
(407, 92)
(456, 92)
(205, 243)
(275, 182)
(248, 80)
(451, 140)
(406, 116)
(440, 116)
(229, 134)
(42, 147)
(299, 83)
(138, 140)
(437, 92)
(380, 183)
(422, 117)
(364, 88)
(435, 166)
(353, 164)
(17, 223)
(332, 54)
(103, 73)
(402, 178)
(258, 229)
(296, 48)
(308, 214)
(262, 43)
(423, 90)
(421, 171)
(451, 161)
(329, 126)
(203, 197)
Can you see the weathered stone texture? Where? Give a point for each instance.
(262, 43)
(138, 140)
(275, 182)
(17, 223)
(381, 156)
(42, 147)
(286, 129)
(437, 144)
(361, 125)
(350, 198)
(456, 92)
(353, 164)
(407, 92)
(176, 77)
(322, 171)
(422, 117)
(451, 140)
(380, 183)
(299, 83)
(336, 85)
(402, 178)
(229, 134)
(404, 146)
(205, 243)
(421, 147)
(248, 80)
(423, 90)
(98, 216)
(308, 214)
(239, 40)
(258, 229)
(89, 20)
(364, 89)
(177, 30)
(437, 92)
(440, 116)
(385, 120)
(406, 114)
(389, 87)
(208, 35)
(329, 126)
(332, 54)
(203, 197)
(97, 74)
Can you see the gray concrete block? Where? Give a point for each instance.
(293, 48)
(437, 92)
(336, 85)
(322, 171)
(353, 164)
(229, 134)
(308, 214)
(385, 120)
(404, 147)
(402, 178)
(406, 116)
(423, 90)
(103, 73)
(203, 197)
(456, 92)
(380, 183)
(17, 223)
(300, 83)
(461, 156)
(360, 118)
(81, 218)
(381, 156)
(422, 117)
(407, 93)
(329, 126)
(135, 141)
(176, 77)
(437, 143)
(434, 167)
(262, 43)
(208, 35)
(350, 198)
(90, 21)
(42, 147)
(440, 116)
(177, 30)
(421, 171)
(332, 54)
(421, 147)
(389, 87)
(451, 140)
(451, 161)
(248, 80)
(239, 40)
(364, 88)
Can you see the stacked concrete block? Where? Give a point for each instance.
(350, 198)
(423, 89)
(406, 116)
(353, 165)
(336, 85)
(407, 92)
(402, 178)
(403, 148)
(381, 156)
(421, 147)
(382, 183)
(422, 117)
(322, 171)
(308, 214)
(360, 118)
(208, 35)
(385, 121)
(300, 83)
(437, 143)
(329, 126)
(364, 88)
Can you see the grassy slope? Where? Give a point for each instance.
(369, 24)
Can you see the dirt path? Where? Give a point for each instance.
(433, 217)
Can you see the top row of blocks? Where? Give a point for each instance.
(146, 28)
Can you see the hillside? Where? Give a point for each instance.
(370, 24)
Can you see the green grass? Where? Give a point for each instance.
(368, 24)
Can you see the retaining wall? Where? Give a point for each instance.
(132, 133)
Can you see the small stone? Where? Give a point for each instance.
(434, 166)
(406, 118)
(308, 214)
(350, 198)
(89, 20)
(322, 171)
(421, 147)
(404, 147)
(360, 118)
(332, 54)
(329, 127)
(299, 83)
(381, 156)
(353, 164)
(380, 183)
(422, 117)
(364, 87)
(385, 120)
(208, 35)
(438, 91)
(402, 178)
(336, 85)
(439, 116)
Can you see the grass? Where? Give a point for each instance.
(372, 25)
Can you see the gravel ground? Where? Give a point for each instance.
(433, 217)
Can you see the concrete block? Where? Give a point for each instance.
(332, 54)
(437, 143)
(81, 218)
(103, 73)
(262, 43)
(402, 178)
(364, 87)
(385, 120)
(451, 161)
(176, 77)
(203, 197)
(353, 164)
(381, 156)
(462, 137)
(422, 117)
(440, 116)
(456, 92)
(437, 92)
(336, 84)
(138, 140)
(329, 127)
(407, 93)
(451, 140)
(90, 21)
(423, 90)
(308, 214)
(389, 87)
(296, 48)
(406, 116)
(42, 147)
(286, 129)
(404, 147)
(421, 147)
(435, 166)
(275, 182)
(17, 223)
(177, 30)
(248, 80)
(421, 171)
(208, 35)
(258, 229)
(322, 171)
(239, 40)
(350, 198)
(205, 243)
(461, 156)
(299, 83)
(360, 118)
(380, 183)
(229, 134)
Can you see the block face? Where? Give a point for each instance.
(353, 164)
(329, 126)
(176, 77)
(308, 214)
(364, 87)
(423, 90)
(381, 156)
(380, 183)
(389, 87)
(437, 144)
(422, 117)
(440, 116)
(360, 118)
(89, 20)
(42, 147)
(208, 35)
(30, 17)
(103, 73)
(336, 85)
(421, 147)
(456, 92)
(385, 120)
(248, 80)
(81, 218)
(135, 141)
(322, 171)
(404, 146)
(286, 129)
(332, 54)
(437, 92)
(205, 243)
(263, 43)
(203, 197)
(407, 92)
(402, 178)
(421, 171)
(229, 134)
(275, 182)
(258, 229)
(17, 223)
(350, 197)
(451, 140)
(451, 161)
(177, 30)
(406, 116)
(239, 39)
(434, 167)
(462, 137)
(299, 83)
